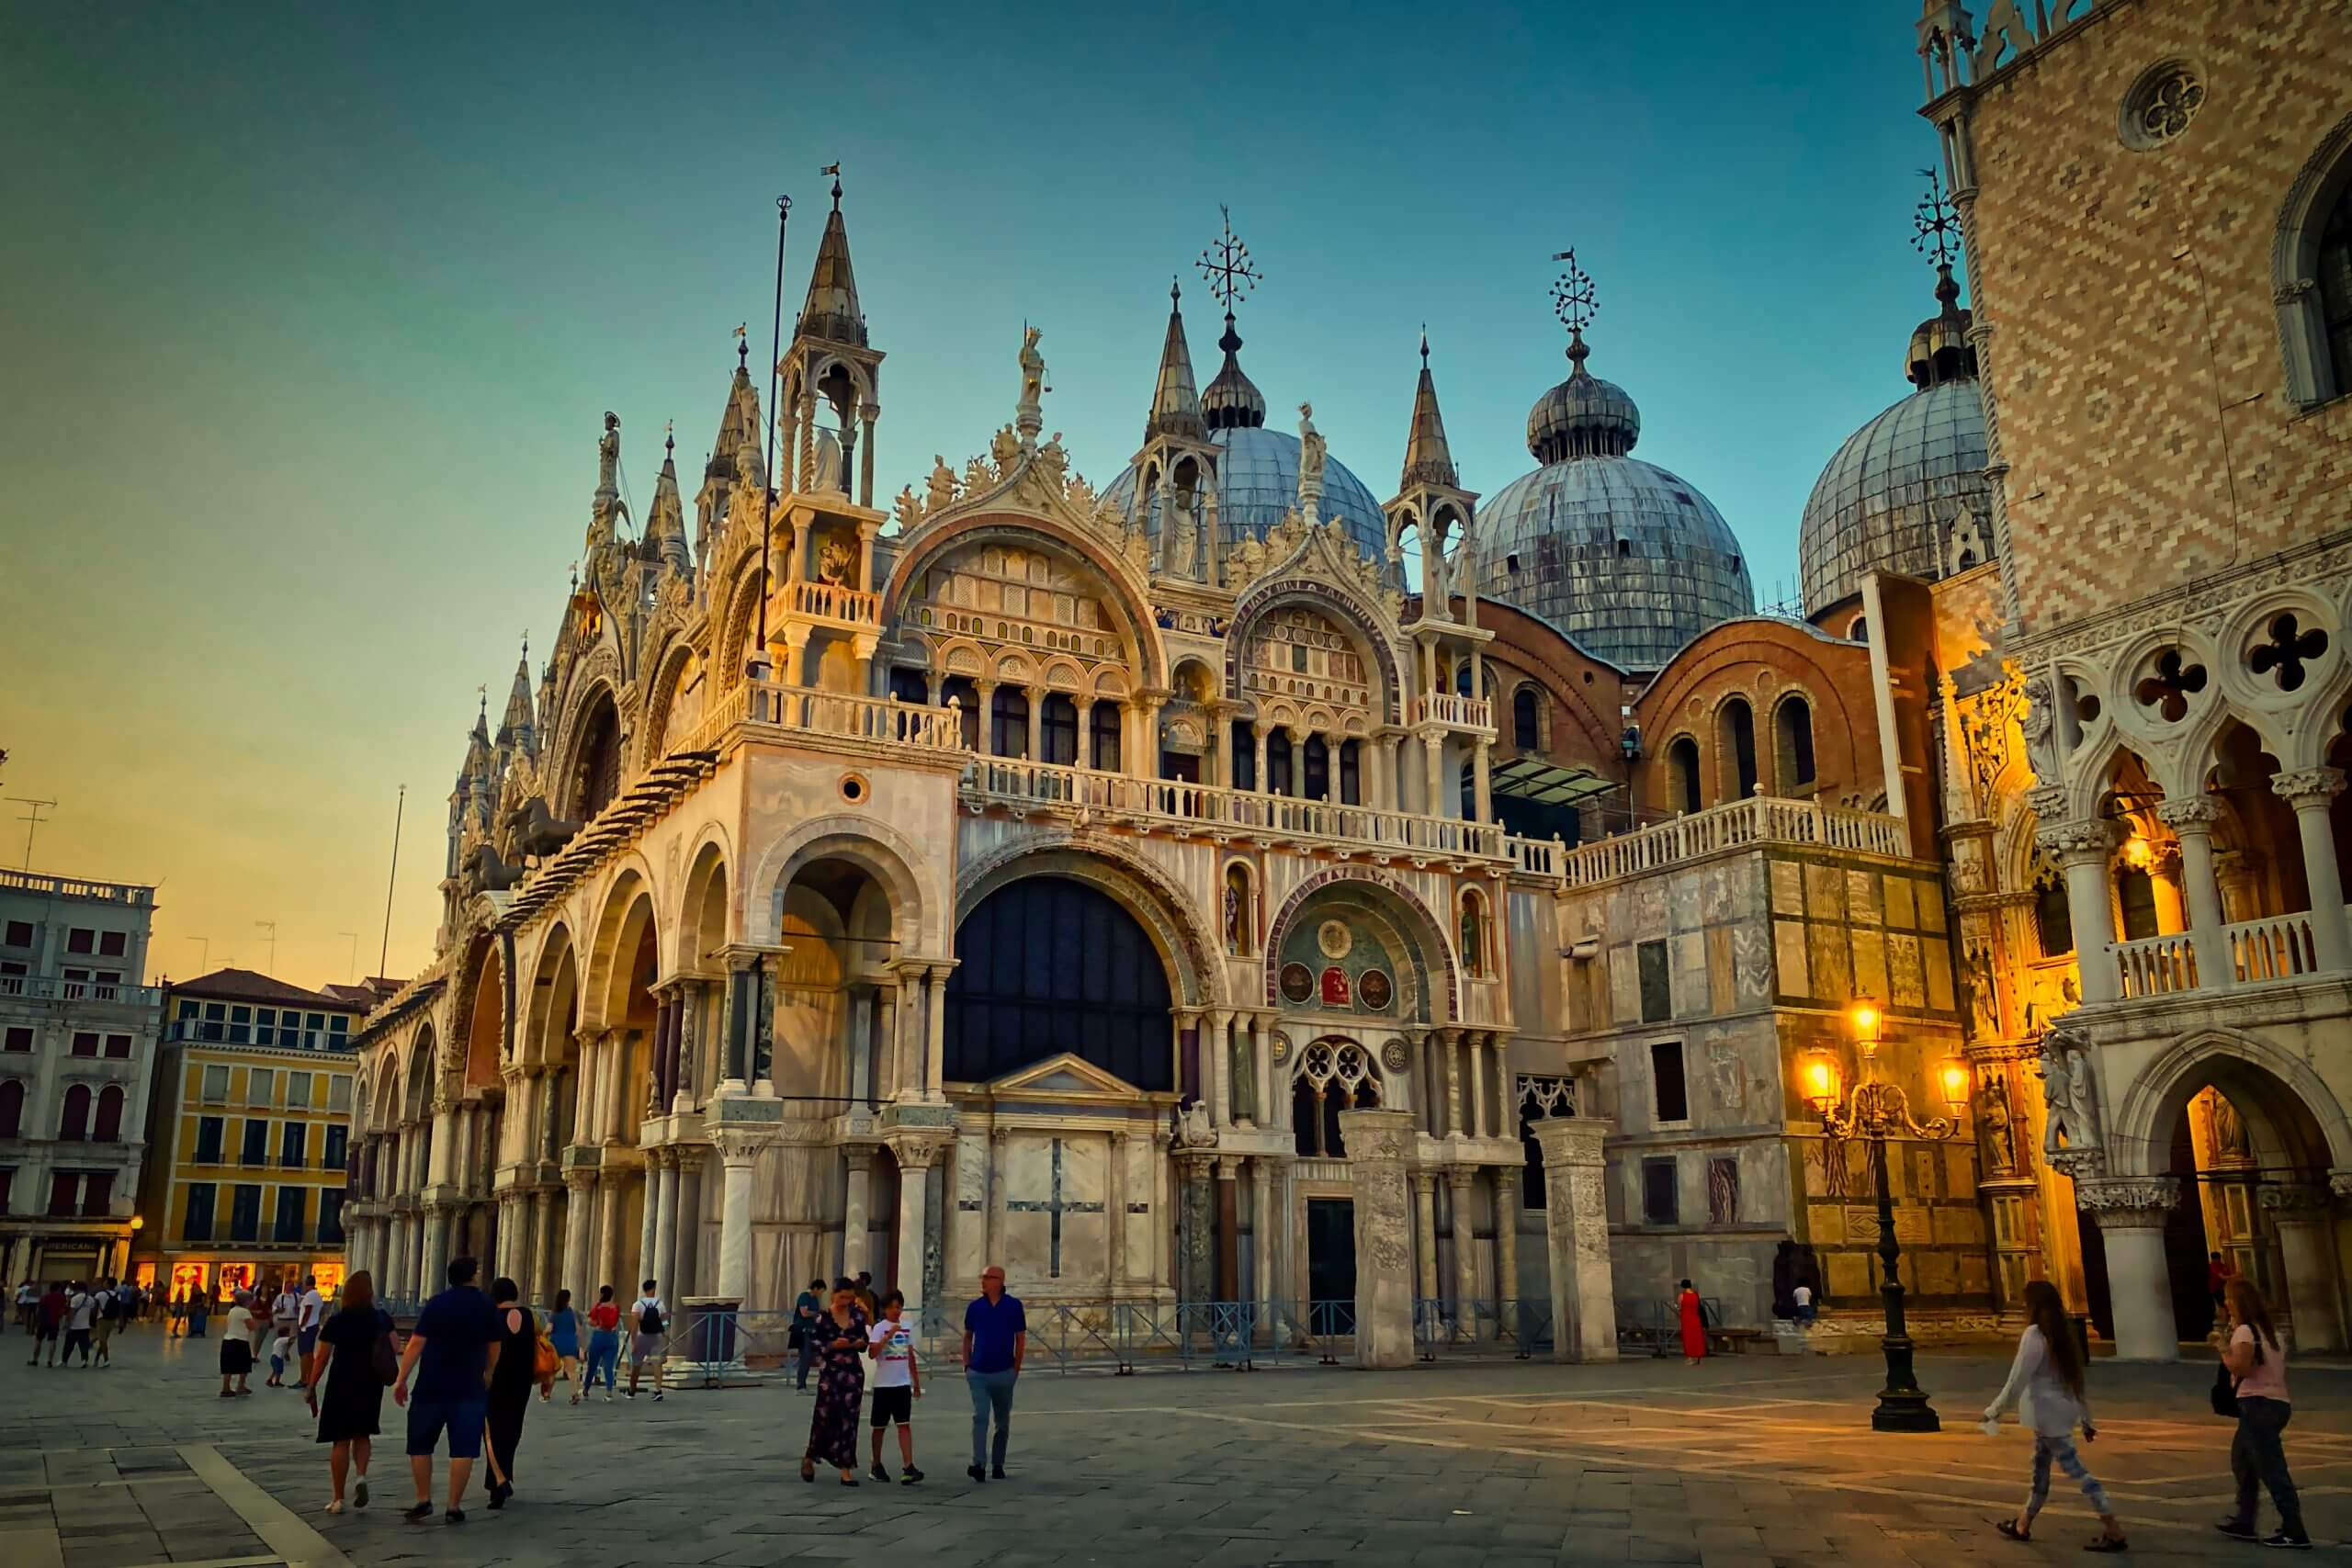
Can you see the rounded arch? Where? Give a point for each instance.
(12, 1107)
(705, 923)
(483, 1022)
(106, 1127)
(2283, 1099)
(1402, 904)
(872, 845)
(1163, 908)
(555, 1001)
(674, 667)
(593, 747)
(1140, 631)
(74, 1116)
(1355, 618)
(1048, 963)
(628, 919)
(420, 1071)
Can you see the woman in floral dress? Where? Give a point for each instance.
(840, 1386)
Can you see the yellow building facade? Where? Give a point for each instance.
(251, 1114)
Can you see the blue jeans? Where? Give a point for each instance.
(808, 1356)
(2062, 1448)
(991, 1391)
(2258, 1459)
(604, 1351)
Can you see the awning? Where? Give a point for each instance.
(1546, 783)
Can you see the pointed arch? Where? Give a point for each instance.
(2319, 192)
(2254, 1073)
(1359, 620)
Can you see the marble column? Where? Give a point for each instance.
(1195, 1282)
(663, 1199)
(906, 1045)
(2310, 792)
(1216, 1066)
(579, 1272)
(1576, 1219)
(2191, 820)
(1265, 1233)
(1380, 1155)
(916, 1158)
(1506, 1245)
(1228, 1228)
(611, 1200)
(2302, 1215)
(2083, 848)
(2131, 1212)
(648, 1218)
(1263, 1060)
(935, 1035)
(1425, 1232)
(737, 1152)
(1449, 1041)
(689, 1265)
(544, 1281)
(1115, 1212)
(434, 1271)
(1478, 1045)
(1485, 798)
(861, 1044)
(395, 1283)
(1461, 1184)
(856, 1225)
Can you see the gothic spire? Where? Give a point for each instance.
(1175, 404)
(1428, 458)
(832, 310)
(665, 525)
(515, 727)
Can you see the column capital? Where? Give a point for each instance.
(859, 1156)
(1460, 1176)
(2308, 786)
(1425, 1183)
(2196, 812)
(2129, 1202)
(2296, 1200)
(1228, 1167)
(738, 1147)
(2073, 842)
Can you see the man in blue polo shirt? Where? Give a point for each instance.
(450, 1354)
(996, 1338)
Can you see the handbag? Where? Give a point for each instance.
(2226, 1393)
(382, 1356)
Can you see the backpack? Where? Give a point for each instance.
(109, 1307)
(649, 1319)
(545, 1362)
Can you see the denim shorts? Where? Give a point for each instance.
(462, 1418)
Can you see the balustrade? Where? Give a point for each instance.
(1462, 713)
(2277, 947)
(834, 602)
(2156, 965)
(1736, 825)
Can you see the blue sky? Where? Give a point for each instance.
(311, 313)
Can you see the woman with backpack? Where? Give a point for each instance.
(2256, 1367)
(604, 1342)
(520, 1365)
(354, 1364)
(2046, 1385)
(649, 1322)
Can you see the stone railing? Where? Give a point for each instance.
(1545, 858)
(2156, 965)
(2260, 952)
(1462, 713)
(1190, 808)
(1736, 825)
(834, 602)
(47, 988)
(837, 715)
(75, 887)
(2278, 947)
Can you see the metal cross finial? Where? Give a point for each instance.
(1572, 298)
(1227, 266)
(1936, 223)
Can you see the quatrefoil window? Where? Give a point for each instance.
(2169, 690)
(2169, 104)
(2289, 649)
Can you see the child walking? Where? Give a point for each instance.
(897, 1383)
(280, 1349)
(2046, 1385)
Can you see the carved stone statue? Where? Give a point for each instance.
(608, 456)
(1004, 447)
(2069, 1090)
(908, 509)
(1033, 375)
(942, 484)
(538, 832)
(833, 563)
(1180, 536)
(1310, 459)
(1189, 1127)
(2037, 720)
(1998, 1124)
(828, 464)
(485, 871)
(1984, 999)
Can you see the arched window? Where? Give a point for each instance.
(1792, 742)
(1009, 722)
(597, 776)
(1351, 773)
(1278, 771)
(1316, 768)
(2312, 274)
(1474, 932)
(73, 1127)
(110, 1127)
(1525, 733)
(1050, 965)
(2053, 917)
(2135, 895)
(12, 1108)
(1060, 730)
(1682, 771)
(1333, 1075)
(1735, 745)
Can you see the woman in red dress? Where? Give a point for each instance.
(1694, 1328)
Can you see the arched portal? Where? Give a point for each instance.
(550, 1042)
(596, 771)
(486, 1014)
(830, 1042)
(1047, 964)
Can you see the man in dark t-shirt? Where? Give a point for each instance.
(449, 1356)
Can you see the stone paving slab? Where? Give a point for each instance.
(1738, 1464)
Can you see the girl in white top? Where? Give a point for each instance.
(2046, 1385)
(2257, 1365)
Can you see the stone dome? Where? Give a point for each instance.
(1258, 485)
(1627, 559)
(1907, 492)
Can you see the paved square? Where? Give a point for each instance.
(1741, 1462)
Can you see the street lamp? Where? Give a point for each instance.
(1879, 1110)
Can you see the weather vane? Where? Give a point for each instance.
(1228, 267)
(1935, 223)
(1573, 298)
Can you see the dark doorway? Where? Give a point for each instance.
(2185, 1245)
(1331, 1258)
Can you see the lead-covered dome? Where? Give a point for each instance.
(1626, 558)
(1907, 492)
(1257, 485)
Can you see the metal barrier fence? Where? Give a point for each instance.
(1470, 1328)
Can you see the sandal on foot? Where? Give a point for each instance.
(2009, 1528)
(2108, 1543)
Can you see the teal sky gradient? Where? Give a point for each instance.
(311, 313)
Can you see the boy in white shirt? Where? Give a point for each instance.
(277, 1351)
(649, 1322)
(1804, 1305)
(897, 1383)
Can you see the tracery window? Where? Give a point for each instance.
(2336, 288)
(1333, 1075)
(2053, 917)
(1540, 1098)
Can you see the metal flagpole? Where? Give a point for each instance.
(776, 354)
(398, 810)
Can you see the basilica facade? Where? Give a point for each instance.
(1225, 886)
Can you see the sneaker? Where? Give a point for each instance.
(632, 1393)
(877, 1472)
(453, 1517)
(2239, 1529)
(657, 1396)
(995, 1472)
(608, 1396)
(418, 1511)
(359, 1492)
(976, 1473)
(908, 1476)
(2288, 1542)
(575, 1396)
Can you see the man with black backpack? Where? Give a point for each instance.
(109, 1315)
(649, 1321)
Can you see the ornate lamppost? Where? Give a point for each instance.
(1879, 1110)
